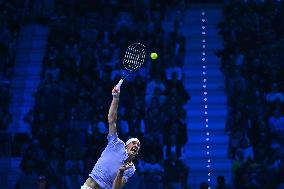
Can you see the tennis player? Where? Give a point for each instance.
(115, 165)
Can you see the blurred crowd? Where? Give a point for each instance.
(83, 62)
(252, 62)
(9, 27)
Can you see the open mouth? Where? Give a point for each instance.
(133, 149)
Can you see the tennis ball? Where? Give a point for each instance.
(154, 56)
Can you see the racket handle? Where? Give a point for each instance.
(119, 83)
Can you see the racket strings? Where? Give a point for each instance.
(134, 56)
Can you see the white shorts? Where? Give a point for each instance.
(85, 187)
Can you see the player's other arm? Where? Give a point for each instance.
(119, 180)
(112, 113)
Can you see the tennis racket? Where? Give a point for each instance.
(133, 59)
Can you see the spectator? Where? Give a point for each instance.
(274, 94)
(151, 86)
(276, 126)
(171, 148)
(153, 172)
(204, 185)
(253, 75)
(221, 183)
(175, 172)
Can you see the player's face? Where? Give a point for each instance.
(133, 148)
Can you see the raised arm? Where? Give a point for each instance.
(112, 113)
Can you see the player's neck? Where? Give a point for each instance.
(129, 159)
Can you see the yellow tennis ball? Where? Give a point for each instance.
(154, 56)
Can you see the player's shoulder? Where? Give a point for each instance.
(113, 140)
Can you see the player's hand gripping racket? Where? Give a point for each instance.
(133, 59)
